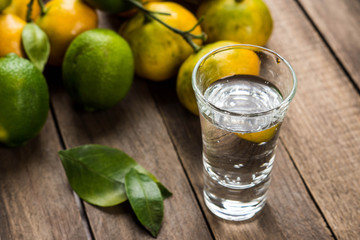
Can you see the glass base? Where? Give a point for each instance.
(233, 210)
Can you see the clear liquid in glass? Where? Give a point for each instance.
(236, 170)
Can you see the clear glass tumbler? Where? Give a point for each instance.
(243, 93)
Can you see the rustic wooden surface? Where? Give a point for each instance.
(322, 130)
(135, 126)
(36, 201)
(314, 192)
(290, 212)
(339, 24)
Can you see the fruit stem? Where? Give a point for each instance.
(187, 35)
(29, 10)
(42, 7)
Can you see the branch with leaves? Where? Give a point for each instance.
(187, 35)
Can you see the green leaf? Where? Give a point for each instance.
(164, 191)
(145, 199)
(97, 173)
(36, 45)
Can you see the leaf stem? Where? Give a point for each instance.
(29, 11)
(42, 7)
(187, 35)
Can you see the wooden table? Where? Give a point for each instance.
(315, 192)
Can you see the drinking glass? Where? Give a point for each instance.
(243, 93)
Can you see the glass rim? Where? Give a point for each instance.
(284, 102)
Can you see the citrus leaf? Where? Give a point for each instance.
(164, 191)
(145, 199)
(97, 173)
(94, 188)
(36, 45)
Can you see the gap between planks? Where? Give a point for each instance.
(328, 46)
(342, 72)
(181, 163)
(78, 201)
(308, 189)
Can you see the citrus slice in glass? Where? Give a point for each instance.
(259, 137)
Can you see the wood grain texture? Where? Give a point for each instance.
(35, 199)
(323, 123)
(289, 213)
(134, 126)
(339, 23)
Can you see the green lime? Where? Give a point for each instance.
(98, 69)
(24, 100)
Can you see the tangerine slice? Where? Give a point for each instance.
(259, 137)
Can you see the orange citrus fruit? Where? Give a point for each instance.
(4, 4)
(231, 62)
(184, 88)
(221, 65)
(158, 51)
(19, 8)
(62, 22)
(11, 27)
(244, 21)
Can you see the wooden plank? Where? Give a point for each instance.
(135, 126)
(339, 23)
(35, 199)
(289, 214)
(323, 127)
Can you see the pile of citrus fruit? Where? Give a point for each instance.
(158, 40)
